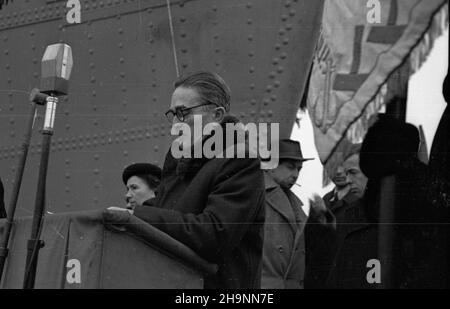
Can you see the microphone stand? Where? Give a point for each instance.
(36, 98)
(34, 243)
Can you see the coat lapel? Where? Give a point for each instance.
(302, 216)
(279, 201)
(297, 236)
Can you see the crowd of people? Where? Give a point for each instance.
(253, 226)
(249, 222)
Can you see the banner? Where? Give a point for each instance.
(361, 44)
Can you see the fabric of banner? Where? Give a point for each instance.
(361, 44)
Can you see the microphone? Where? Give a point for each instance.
(56, 68)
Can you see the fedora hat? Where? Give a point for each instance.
(140, 169)
(290, 149)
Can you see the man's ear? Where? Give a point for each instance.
(219, 114)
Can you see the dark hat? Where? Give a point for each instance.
(388, 142)
(290, 149)
(140, 169)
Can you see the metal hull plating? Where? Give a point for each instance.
(123, 77)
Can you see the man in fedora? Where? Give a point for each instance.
(284, 244)
(141, 181)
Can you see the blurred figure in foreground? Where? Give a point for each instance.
(2, 202)
(420, 203)
(440, 167)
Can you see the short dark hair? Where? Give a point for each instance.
(210, 86)
(151, 180)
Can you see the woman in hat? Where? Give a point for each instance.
(141, 180)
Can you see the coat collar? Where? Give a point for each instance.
(269, 182)
(279, 200)
(350, 198)
(188, 167)
(337, 195)
(347, 200)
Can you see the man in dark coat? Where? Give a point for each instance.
(2, 202)
(440, 168)
(420, 208)
(339, 238)
(214, 206)
(284, 242)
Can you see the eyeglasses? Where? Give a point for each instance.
(182, 112)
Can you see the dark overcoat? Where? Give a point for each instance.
(215, 207)
(337, 256)
(284, 243)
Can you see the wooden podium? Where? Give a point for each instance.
(106, 250)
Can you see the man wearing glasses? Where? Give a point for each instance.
(214, 206)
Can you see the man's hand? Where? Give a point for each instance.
(131, 211)
(319, 212)
(115, 218)
(318, 206)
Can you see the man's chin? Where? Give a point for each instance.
(287, 186)
(356, 192)
(340, 184)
